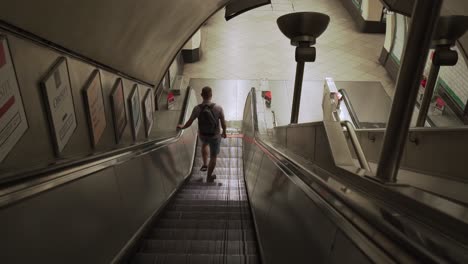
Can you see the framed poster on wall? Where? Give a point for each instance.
(119, 112)
(94, 102)
(59, 103)
(13, 123)
(148, 111)
(135, 110)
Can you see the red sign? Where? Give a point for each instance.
(170, 97)
(2, 55)
(7, 106)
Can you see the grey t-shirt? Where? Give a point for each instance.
(218, 113)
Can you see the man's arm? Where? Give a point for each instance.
(190, 121)
(223, 124)
(188, 124)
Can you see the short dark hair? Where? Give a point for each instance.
(206, 92)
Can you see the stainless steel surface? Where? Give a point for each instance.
(444, 147)
(350, 108)
(143, 47)
(297, 92)
(85, 214)
(334, 131)
(410, 206)
(423, 23)
(357, 146)
(20, 191)
(286, 209)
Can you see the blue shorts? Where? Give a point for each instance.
(214, 143)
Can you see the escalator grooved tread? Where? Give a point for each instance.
(205, 222)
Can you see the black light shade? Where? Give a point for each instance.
(404, 7)
(303, 25)
(237, 7)
(451, 28)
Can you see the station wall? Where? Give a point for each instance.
(454, 78)
(35, 149)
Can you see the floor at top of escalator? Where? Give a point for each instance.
(205, 222)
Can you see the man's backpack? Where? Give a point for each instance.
(207, 122)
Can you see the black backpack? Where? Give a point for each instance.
(207, 122)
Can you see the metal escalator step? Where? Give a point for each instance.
(202, 234)
(194, 259)
(210, 202)
(205, 224)
(208, 208)
(181, 196)
(228, 247)
(143, 258)
(210, 188)
(233, 191)
(222, 177)
(229, 183)
(206, 215)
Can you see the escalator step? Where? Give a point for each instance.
(209, 188)
(219, 197)
(233, 191)
(229, 183)
(205, 224)
(208, 208)
(210, 202)
(201, 234)
(229, 247)
(205, 215)
(145, 258)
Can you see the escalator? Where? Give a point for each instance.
(147, 204)
(205, 222)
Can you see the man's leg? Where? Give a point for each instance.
(204, 151)
(214, 151)
(212, 165)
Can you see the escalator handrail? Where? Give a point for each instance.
(349, 106)
(45, 179)
(294, 170)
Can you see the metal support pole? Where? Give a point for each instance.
(428, 93)
(297, 92)
(424, 19)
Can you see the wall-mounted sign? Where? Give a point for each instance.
(119, 112)
(13, 121)
(94, 101)
(148, 110)
(135, 110)
(59, 103)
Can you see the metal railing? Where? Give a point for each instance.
(334, 128)
(349, 106)
(356, 145)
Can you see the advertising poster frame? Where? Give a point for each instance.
(119, 111)
(95, 107)
(61, 130)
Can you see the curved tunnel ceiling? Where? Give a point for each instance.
(139, 38)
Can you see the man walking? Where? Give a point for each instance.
(209, 116)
